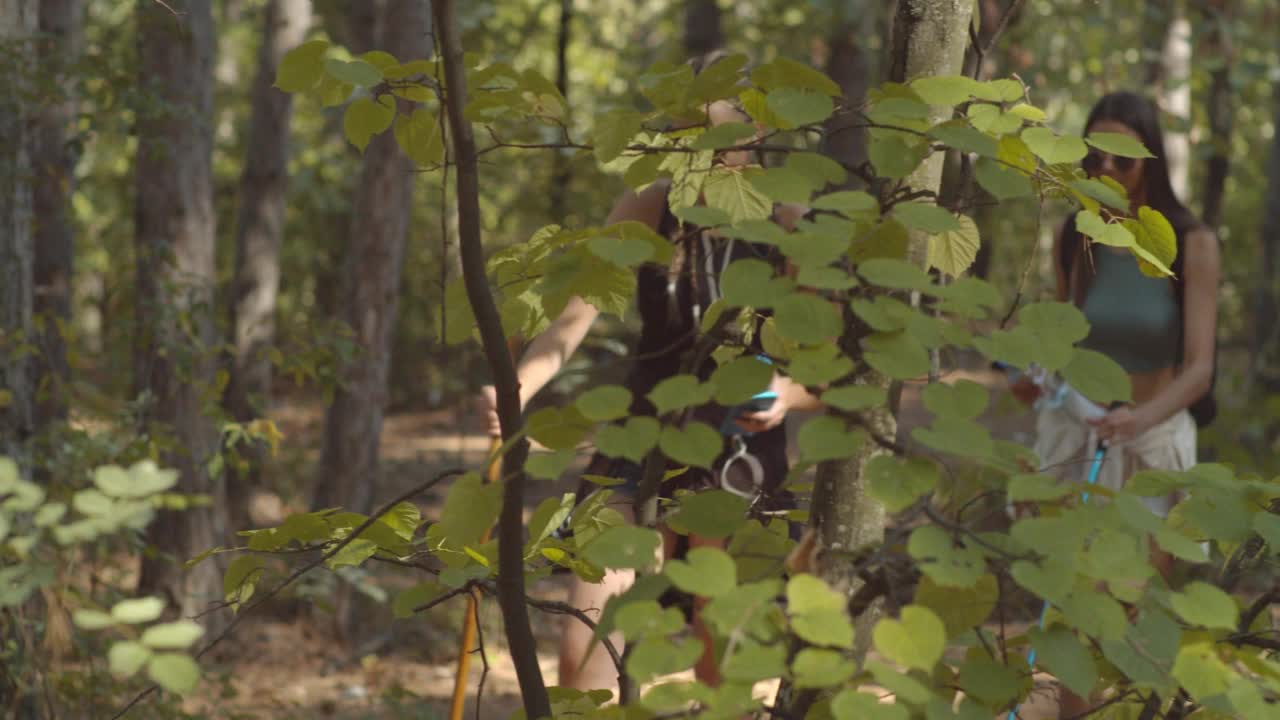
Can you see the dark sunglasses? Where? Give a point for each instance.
(1092, 163)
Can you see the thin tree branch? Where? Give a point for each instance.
(337, 548)
(484, 658)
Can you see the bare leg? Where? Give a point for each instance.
(578, 669)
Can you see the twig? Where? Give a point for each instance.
(417, 490)
(484, 659)
(560, 608)
(1248, 616)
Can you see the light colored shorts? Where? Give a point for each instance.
(1066, 448)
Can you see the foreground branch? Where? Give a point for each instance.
(511, 593)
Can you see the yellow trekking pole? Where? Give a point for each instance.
(472, 617)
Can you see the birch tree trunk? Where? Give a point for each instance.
(929, 38)
(175, 242)
(17, 251)
(259, 233)
(1167, 40)
(53, 162)
(1266, 336)
(848, 63)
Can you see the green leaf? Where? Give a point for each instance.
(945, 90)
(1060, 651)
(549, 465)
(1118, 144)
(605, 402)
(856, 397)
(1057, 320)
(783, 185)
(960, 609)
(817, 668)
(784, 72)
(558, 428)
(852, 704)
(624, 546)
(127, 658)
(896, 155)
(302, 67)
(905, 687)
(92, 619)
(747, 609)
(711, 514)
(1114, 234)
(703, 216)
(353, 554)
(1001, 90)
(172, 636)
(1104, 190)
(679, 391)
(696, 444)
(964, 399)
(48, 514)
(852, 203)
(818, 613)
(819, 365)
(991, 119)
(1003, 182)
(730, 190)
(1052, 148)
(1094, 613)
(953, 251)
(929, 218)
(964, 137)
(725, 135)
(1202, 604)
(241, 575)
(818, 170)
(798, 108)
(807, 319)
(1027, 112)
(419, 136)
(470, 508)
(142, 479)
(654, 657)
(898, 483)
(754, 661)
(631, 441)
(91, 502)
(948, 561)
(705, 571)
(139, 610)
(738, 380)
(365, 118)
(994, 684)
(896, 354)
(357, 72)
(1199, 669)
(174, 672)
(808, 593)
(916, 641)
(647, 618)
(1156, 244)
(1097, 377)
(750, 283)
(828, 438)
(897, 274)
(614, 131)
(1037, 488)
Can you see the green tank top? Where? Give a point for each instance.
(1133, 318)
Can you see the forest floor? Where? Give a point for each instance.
(287, 662)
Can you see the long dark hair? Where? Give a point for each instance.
(1140, 115)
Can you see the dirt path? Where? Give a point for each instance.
(287, 664)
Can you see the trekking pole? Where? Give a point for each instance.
(472, 617)
(1094, 470)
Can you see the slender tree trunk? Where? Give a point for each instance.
(53, 161)
(175, 242)
(259, 233)
(1218, 55)
(17, 251)
(1266, 336)
(563, 173)
(1167, 40)
(371, 289)
(849, 64)
(511, 585)
(929, 38)
(702, 32)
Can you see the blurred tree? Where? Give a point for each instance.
(702, 27)
(174, 338)
(1218, 50)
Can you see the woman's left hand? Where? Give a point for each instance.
(1120, 425)
(755, 422)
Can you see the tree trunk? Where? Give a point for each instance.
(929, 38)
(259, 232)
(53, 162)
(17, 251)
(1167, 45)
(1218, 55)
(371, 289)
(175, 239)
(1266, 336)
(511, 583)
(562, 174)
(702, 32)
(849, 64)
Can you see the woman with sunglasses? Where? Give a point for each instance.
(1160, 330)
(670, 300)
